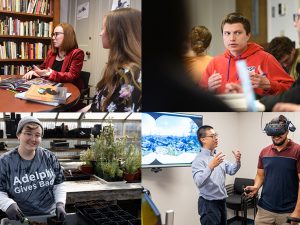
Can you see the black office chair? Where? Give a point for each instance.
(85, 92)
(238, 201)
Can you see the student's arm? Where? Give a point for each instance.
(259, 180)
(291, 96)
(280, 81)
(232, 168)
(5, 201)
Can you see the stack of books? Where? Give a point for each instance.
(45, 94)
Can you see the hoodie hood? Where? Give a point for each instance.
(251, 49)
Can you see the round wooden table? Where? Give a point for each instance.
(9, 103)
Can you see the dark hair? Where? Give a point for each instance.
(200, 39)
(279, 119)
(232, 18)
(280, 46)
(201, 132)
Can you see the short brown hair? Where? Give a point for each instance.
(70, 42)
(232, 18)
(200, 39)
(280, 46)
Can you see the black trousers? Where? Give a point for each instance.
(212, 212)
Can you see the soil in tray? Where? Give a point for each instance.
(76, 175)
(53, 221)
(37, 223)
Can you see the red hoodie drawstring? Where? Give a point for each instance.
(228, 68)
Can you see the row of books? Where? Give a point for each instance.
(36, 28)
(44, 7)
(14, 69)
(23, 50)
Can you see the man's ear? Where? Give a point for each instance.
(249, 36)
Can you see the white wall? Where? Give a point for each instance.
(173, 188)
(210, 14)
(64, 7)
(282, 25)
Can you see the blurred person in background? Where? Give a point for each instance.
(166, 84)
(197, 59)
(283, 49)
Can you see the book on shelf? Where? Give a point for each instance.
(21, 85)
(47, 93)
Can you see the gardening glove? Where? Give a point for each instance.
(60, 211)
(13, 212)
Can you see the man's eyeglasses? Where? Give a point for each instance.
(55, 34)
(31, 135)
(296, 17)
(212, 135)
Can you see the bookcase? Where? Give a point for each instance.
(25, 33)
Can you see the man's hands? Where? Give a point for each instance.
(217, 160)
(237, 155)
(13, 212)
(259, 80)
(214, 81)
(60, 211)
(253, 191)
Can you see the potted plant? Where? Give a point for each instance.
(87, 157)
(107, 151)
(132, 163)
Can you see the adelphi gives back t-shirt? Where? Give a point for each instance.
(30, 182)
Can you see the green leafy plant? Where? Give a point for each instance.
(87, 157)
(133, 159)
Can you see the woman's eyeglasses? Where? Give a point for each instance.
(296, 17)
(55, 34)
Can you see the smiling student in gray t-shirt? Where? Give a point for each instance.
(31, 178)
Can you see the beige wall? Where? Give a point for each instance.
(210, 14)
(173, 188)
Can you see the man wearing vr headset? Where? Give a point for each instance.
(278, 171)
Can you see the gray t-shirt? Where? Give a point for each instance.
(30, 182)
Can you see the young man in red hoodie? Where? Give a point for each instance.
(266, 74)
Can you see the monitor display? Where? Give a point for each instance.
(150, 214)
(169, 139)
